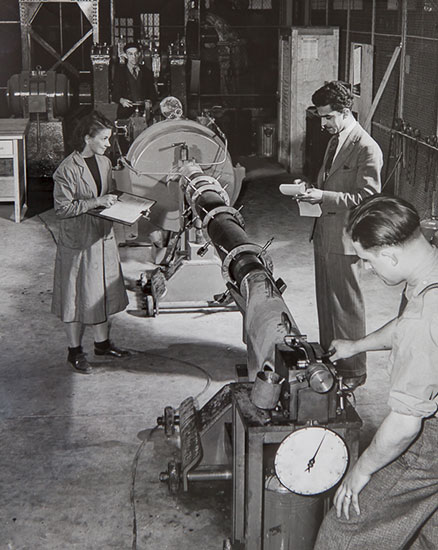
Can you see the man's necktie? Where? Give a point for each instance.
(135, 72)
(331, 150)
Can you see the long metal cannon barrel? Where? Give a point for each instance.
(246, 266)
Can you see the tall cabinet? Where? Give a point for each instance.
(308, 59)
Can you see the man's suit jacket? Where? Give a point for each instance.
(354, 175)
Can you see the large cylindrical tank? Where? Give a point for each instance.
(156, 152)
(291, 521)
(38, 92)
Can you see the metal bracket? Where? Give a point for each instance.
(216, 187)
(221, 210)
(191, 447)
(255, 249)
(202, 177)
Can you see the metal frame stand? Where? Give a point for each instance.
(252, 430)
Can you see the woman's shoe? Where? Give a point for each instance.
(79, 362)
(112, 351)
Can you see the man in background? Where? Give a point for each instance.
(133, 83)
(349, 173)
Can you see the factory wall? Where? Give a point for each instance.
(405, 118)
(380, 23)
(10, 48)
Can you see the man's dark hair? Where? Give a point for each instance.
(336, 94)
(130, 45)
(380, 221)
(89, 125)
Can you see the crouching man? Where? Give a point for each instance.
(389, 498)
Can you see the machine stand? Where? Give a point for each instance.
(252, 430)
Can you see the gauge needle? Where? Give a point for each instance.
(311, 462)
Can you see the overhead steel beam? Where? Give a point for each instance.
(35, 36)
(71, 50)
(28, 11)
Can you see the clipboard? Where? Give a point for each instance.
(127, 210)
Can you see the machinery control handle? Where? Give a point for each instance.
(203, 250)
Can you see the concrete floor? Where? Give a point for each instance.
(79, 456)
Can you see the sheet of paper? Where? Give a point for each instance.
(128, 208)
(295, 189)
(311, 210)
(292, 189)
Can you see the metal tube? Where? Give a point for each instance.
(226, 232)
(401, 82)
(210, 475)
(224, 229)
(267, 319)
(61, 29)
(404, 27)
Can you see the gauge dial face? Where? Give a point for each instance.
(311, 460)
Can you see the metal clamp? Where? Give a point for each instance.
(221, 210)
(215, 187)
(255, 249)
(202, 177)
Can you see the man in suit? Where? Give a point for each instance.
(133, 83)
(350, 172)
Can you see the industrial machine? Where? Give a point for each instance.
(286, 437)
(186, 272)
(283, 461)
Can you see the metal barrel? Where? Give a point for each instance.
(291, 521)
(245, 265)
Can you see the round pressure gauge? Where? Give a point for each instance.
(311, 460)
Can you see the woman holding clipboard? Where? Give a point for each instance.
(88, 280)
